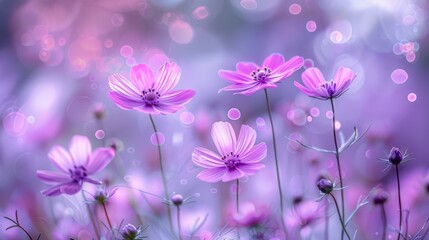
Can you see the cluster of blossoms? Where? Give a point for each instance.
(236, 156)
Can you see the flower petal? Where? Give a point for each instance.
(232, 174)
(223, 137)
(119, 83)
(142, 77)
(286, 69)
(306, 91)
(71, 188)
(246, 68)
(52, 191)
(206, 158)
(149, 109)
(167, 77)
(52, 177)
(180, 97)
(99, 160)
(235, 77)
(80, 150)
(61, 158)
(256, 154)
(258, 87)
(342, 76)
(212, 174)
(273, 61)
(246, 140)
(312, 78)
(250, 169)
(124, 101)
(239, 87)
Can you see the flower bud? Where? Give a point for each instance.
(129, 232)
(177, 199)
(379, 196)
(395, 156)
(325, 185)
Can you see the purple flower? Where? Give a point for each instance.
(76, 165)
(317, 87)
(148, 92)
(249, 77)
(236, 158)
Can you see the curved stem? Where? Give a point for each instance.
(384, 221)
(327, 220)
(91, 217)
(339, 216)
(279, 185)
(399, 200)
(337, 156)
(164, 181)
(107, 216)
(178, 222)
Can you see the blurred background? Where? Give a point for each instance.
(56, 56)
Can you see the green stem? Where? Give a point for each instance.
(339, 216)
(178, 222)
(399, 200)
(164, 181)
(384, 221)
(276, 160)
(91, 217)
(107, 216)
(337, 156)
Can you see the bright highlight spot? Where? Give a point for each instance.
(311, 26)
(234, 114)
(412, 97)
(295, 9)
(399, 76)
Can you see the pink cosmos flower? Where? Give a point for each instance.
(148, 92)
(317, 87)
(237, 157)
(76, 165)
(249, 77)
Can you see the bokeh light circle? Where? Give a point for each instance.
(399, 76)
(412, 97)
(161, 138)
(234, 114)
(15, 124)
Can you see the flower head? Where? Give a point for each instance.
(325, 186)
(236, 158)
(317, 87)
(249, 77)
(148, 92)
(129, 232)
(395, 156)
(76, 165)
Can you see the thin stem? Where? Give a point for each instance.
(384, 221)
(337, 156)
(279, 185)
(236, 195)
(327, 221)
(107, 216)
(164, 181)
(178, 222)
(339, 216)
(91, 217)
(399, 200)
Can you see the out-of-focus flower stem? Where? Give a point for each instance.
(107, 217)
(164, 181)
(399, 201)
(91, 216)
(237, 204)
(383, 220)
(337, 156)
(339, 216)
(279, 185)
(178, 223)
